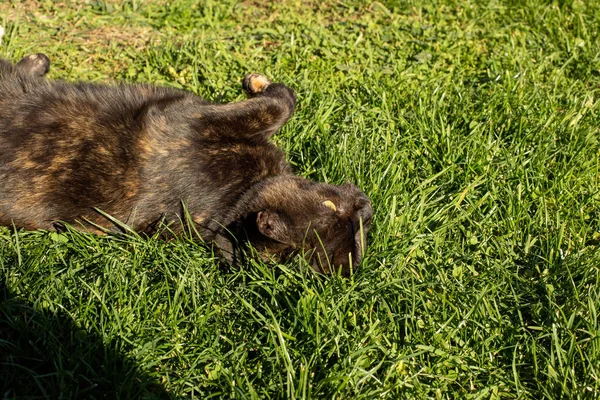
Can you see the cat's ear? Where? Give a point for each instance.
(272, 225)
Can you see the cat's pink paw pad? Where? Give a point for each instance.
(35, 64)
(255, 83)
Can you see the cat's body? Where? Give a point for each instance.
(139, 153)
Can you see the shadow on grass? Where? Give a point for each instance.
(46, 355)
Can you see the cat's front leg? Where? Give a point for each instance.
(268, 107)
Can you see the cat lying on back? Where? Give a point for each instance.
(72, 153)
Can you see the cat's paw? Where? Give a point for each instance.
(255, 83)
(35, 64)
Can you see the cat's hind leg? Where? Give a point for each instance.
(34, 65)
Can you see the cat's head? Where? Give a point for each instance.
(326, 223)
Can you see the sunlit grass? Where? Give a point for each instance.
(473, 127)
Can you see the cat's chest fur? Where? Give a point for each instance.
(203, 173)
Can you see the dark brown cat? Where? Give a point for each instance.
(73, 153)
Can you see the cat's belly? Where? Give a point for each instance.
(42, 183)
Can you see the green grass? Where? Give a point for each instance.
(473, 126)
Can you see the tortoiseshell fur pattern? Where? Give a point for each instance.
(140, 153)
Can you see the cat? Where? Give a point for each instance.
(89, 155)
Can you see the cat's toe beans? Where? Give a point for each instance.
(255, 83)
(41, 61)
(36, 64)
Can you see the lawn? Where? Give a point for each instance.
(474, 127)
